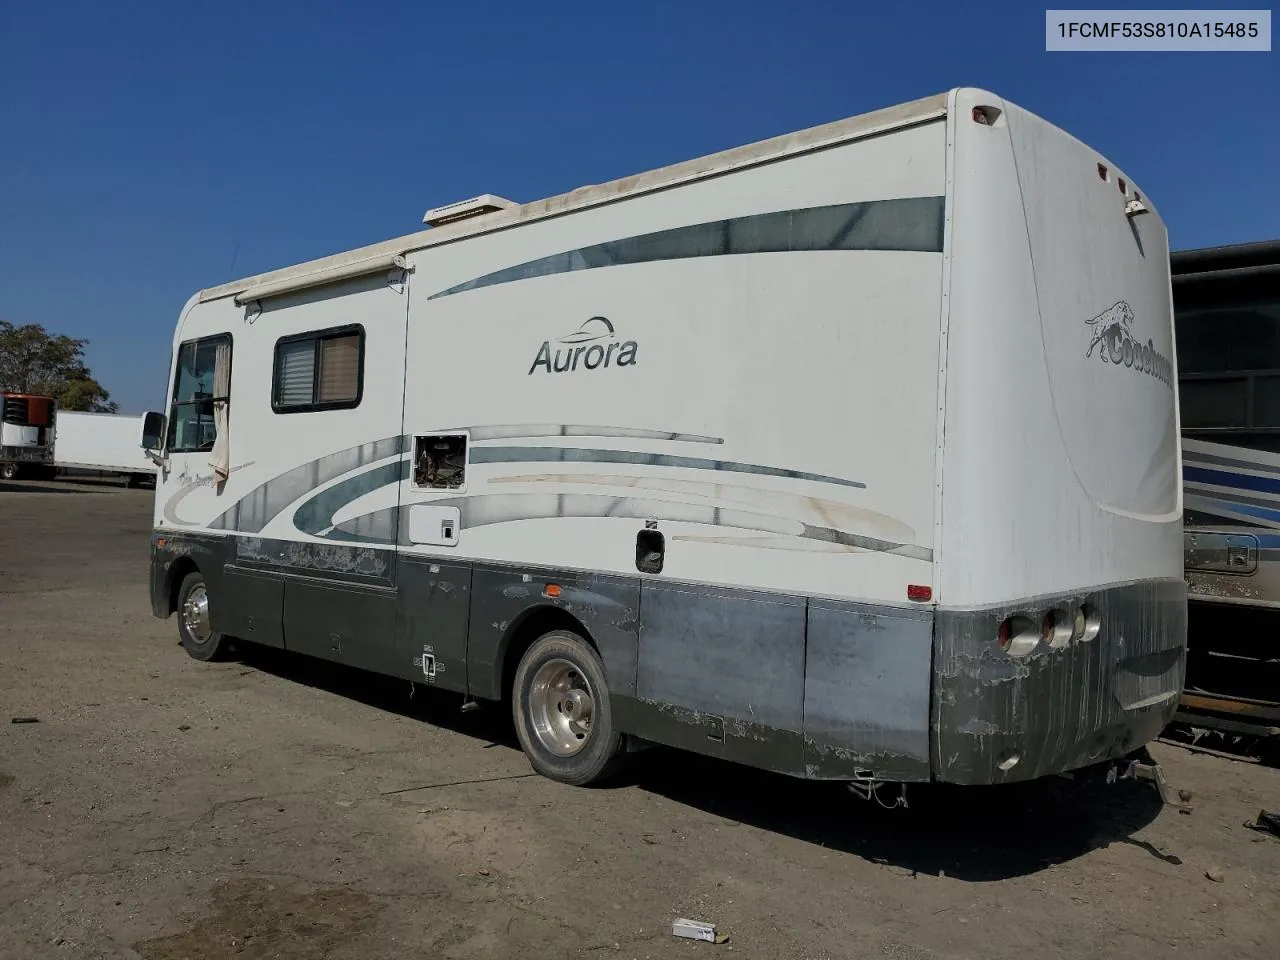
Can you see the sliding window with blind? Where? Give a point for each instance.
(322, 370)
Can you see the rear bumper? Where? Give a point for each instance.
(998, 718)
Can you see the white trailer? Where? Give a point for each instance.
(102, 443)
(851, 454)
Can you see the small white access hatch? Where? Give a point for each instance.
(437, 526)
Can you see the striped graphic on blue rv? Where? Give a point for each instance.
(1231, 485)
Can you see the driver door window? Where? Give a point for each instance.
(203, 366)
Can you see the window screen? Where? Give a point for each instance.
(319, 371)
(339, 377)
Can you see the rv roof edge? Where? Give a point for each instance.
(858, 127)
(1230, 274)
(1236, 255)
(316, 278)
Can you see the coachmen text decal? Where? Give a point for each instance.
(594, 345)
(1113, 334)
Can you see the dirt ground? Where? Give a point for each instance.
(276, 807)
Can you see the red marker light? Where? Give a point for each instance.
(919, 592)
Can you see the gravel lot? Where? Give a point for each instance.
(274, 806)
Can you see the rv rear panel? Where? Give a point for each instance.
(1060, 471)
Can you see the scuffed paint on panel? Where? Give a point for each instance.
(501, 599)
(317, 558)
(866, 692)
(1056, 709)
(731, 654)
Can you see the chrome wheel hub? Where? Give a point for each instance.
(561, 706)
(195, 614)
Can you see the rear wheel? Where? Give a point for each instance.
(9, 471)
(561, 707)
(195, 628)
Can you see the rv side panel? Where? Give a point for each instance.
(722, 394)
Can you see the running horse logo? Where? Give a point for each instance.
(1118, 344)
(1110, 328)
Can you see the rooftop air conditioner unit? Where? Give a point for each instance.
(475, 207)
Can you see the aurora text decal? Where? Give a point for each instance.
(1113, 335)
(593, 346)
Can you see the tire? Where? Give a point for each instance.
(9, 471)
(198, 638)
(558, 677)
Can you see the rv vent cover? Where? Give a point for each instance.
(475, 207)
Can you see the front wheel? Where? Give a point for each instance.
(195, 629)
(561, 707)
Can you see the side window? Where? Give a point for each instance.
(1214, 403)
(440, 462)
(202, 382)
(1229, 361)
(323, 370)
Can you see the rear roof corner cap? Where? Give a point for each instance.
(973, 95)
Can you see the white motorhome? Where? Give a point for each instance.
(851, 454)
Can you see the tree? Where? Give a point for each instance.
(32, 360)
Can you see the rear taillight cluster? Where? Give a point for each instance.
(1020, 633)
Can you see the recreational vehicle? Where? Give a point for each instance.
(1227, 308)
(851, 454)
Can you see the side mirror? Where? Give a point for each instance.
(151, 436)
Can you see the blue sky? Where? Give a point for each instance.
(151, 149)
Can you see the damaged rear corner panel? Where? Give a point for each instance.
(1000, 718)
